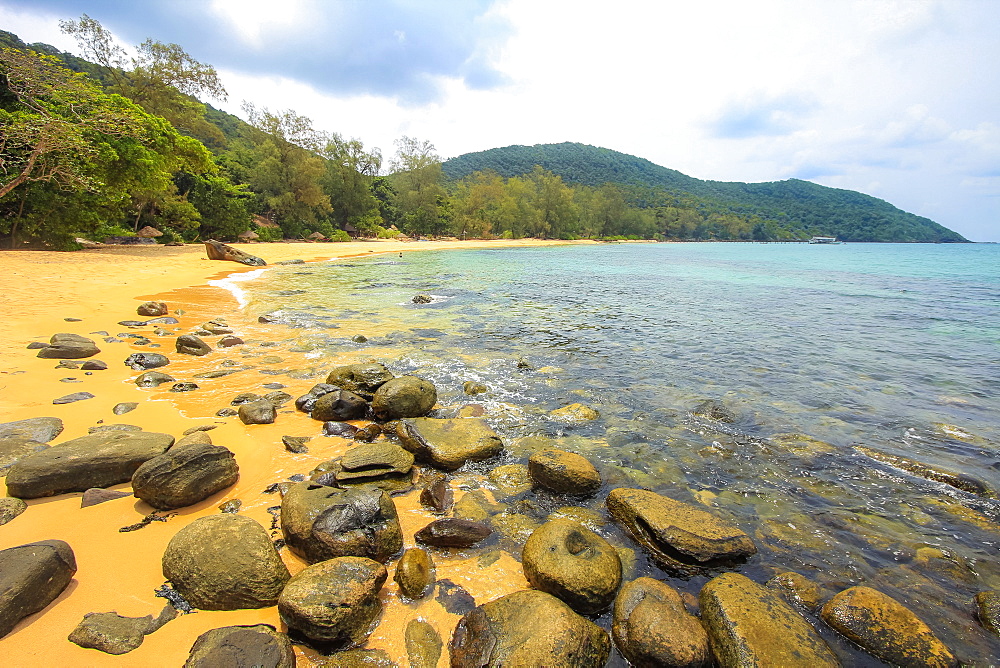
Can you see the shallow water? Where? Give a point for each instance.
(893, 347)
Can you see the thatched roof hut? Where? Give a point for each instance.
(149, 232)
(317, 236)
(249, 235)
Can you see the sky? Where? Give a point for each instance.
(899, 99)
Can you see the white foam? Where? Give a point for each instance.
(230, 283)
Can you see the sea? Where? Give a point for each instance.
(825, 398)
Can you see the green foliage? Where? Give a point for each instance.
(339, 236)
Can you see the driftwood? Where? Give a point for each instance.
(219, 251)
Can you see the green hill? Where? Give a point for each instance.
(800, 207)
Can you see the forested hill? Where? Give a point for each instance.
(799, 208)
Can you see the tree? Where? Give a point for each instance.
(350, 173)
(417, 178)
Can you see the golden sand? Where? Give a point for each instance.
(120, 571)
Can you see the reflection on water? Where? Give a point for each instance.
(808, 350)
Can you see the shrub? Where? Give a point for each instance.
(340, 236)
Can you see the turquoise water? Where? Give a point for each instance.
(812, 349)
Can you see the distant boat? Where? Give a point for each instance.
(825, 240)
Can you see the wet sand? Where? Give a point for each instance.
(120, 571)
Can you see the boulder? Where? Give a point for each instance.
(151, 309)
(320, 522)
(574, 564)
(404, 397)
(436, 495)
(575, 413)
(260, 411)
(73, 398)
(41, 429)
(11, 508)
(750, 625)
(423, 644)
(679, 536)
(372, 460)
(13, 448)
(97, 460)
(448, 444)
(306, 402)
(96, 495)
(189, 344)
(335, 601)
(651, 627)
(143, 361)
(230, 341)
(296, 444)
(110, 632)
(94, 365)
(153, 379)
(68, 347)
(363, 379)
(564, 472)
(414, 573)
(225, 562)
(339, 405)
(342, 429)
(962, 481)
(528, 628)
(220, 251)
(510, 479)
(988, 609)
(453, 532)
(885, 628)
(422, 299)
(184, 475)
(258, 646)
(31, 577)
(473, 388)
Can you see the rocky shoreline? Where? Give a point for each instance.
(392, 493)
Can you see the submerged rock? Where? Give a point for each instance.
(679, 536)
(98, 460)
(528, 628)
(184, 475)
(436, 495)
(574, 564)
(68, 347)
(143, 361)
(31, 577)
(962, 481)
(749, 625)
(423, 644)
(404, 397)
(575, 413)
(448, 444)
(886, 628)
(225, 562)
(651, 627)
(335, 601)
(153, 379)
(798, 589)
(453, 532)
(414, 573)
(257, 646)
(564, 472)
(189, 344)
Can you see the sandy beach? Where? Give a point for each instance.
(88, 293)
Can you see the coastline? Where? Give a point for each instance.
(120, 571)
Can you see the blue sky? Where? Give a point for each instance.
(899, 99)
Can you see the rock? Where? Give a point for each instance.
(374, 459)
(454, 598)
(73, 398)
(368, 433)
(589, 518)
(193, 438)
(42, 429)
(359, 338)
(153, 379)
(245, 398)
(988, 609)
(96, 495)
(306, 402)
(448, 444)
(319, 523)
(10, 508)
(422, 299)
(258, 646)
(296, 444)
(885, 628)
(220, 251)
(69, 347)
(97, 460)
(339, 405)
(473, 388)
(679, 536)
(14, 448)
(362, 379)
(564, 472)
(151, 309)
(651, 627)
(184, 387)
(124, 407)
(110, 633)
(189, 344)
(423, 644)
(510, 479)
(31, 577)
(225, 562)
(749, 625)
(94, 365)
(437, 495)
(574, 564)
(230, 506)
(35, 345)
(575, 413)
(797, 589)
(453, 532)
(713, 410)
(143, 361)
(475, 506)
(113, 427)
(342, 429)
(185, 475)
(226, 412)
(528, 628)
(261, 411)
(414, 573)
(230, 341)
(215, 327)
(404, 397)
(962, 481)
(334, 601)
